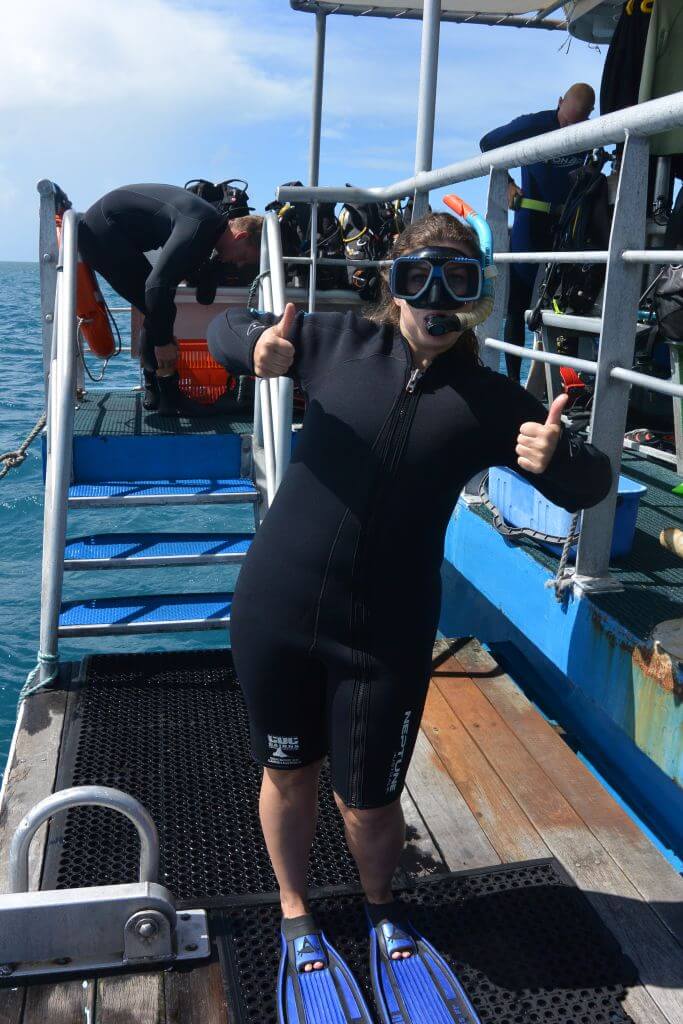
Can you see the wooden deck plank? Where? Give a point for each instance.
(455, 831)
(642, 1009)
(197, 996)
(654, 878)
(641, 934)
(420, 857)
(507, 827)
(131, 999)
(66, 1003)
(11, 1005)
(29, 776)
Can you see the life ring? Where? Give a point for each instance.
(91, 309)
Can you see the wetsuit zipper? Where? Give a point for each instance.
(392, 451)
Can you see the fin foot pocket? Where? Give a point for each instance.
(324, 996)
(419, 989)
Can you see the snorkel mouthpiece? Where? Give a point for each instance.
(437, 325)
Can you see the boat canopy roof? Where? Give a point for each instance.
(479, 11)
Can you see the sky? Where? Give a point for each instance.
(100, 93)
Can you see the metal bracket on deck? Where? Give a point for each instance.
(596, 585)
(78, 930)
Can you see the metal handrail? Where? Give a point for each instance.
(60, 414)
(538, 355)
(594, 256)
(83, 796)
(285, 385)
(264, 429)
(640, 380)
(644, 119)
(569, 322)
(276, 394)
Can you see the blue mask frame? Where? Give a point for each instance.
(436, 293)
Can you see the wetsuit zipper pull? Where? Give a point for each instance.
(415, 377)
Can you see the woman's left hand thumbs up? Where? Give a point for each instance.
(536, 442)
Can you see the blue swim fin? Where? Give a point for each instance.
(419, 989)
(327, 996)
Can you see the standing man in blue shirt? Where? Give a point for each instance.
(545, 187)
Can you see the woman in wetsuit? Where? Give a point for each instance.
(337, 603)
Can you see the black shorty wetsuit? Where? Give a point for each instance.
(337, 603)
(117, 231)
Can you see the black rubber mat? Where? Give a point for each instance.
(524, 942)
(120, 414)
(171, 730)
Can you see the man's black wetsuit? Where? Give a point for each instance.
(532, 230)
(117, 231)
(338, 600)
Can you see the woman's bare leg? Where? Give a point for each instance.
(289, 810)
(376, 839)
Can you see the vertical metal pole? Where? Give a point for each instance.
(617, 342)
(263, 426)
(676, 350)
(283, 400)
(497, 216)
(313, 273)
(265, 303)
(48, 255)
(317, 102)
(426, 106)
(58, 476)
(314, 147)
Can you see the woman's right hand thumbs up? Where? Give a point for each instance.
(273, 352)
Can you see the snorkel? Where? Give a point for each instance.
(482, 308)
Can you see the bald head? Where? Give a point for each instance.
(576, 104)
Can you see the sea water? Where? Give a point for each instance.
(22, 401)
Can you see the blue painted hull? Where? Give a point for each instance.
(618, 697)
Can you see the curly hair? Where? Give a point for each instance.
(434, 229)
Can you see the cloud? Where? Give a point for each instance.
(96, 93)
(149, 53)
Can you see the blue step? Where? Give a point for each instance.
(161, 492)
(142, 550)
(160, 613)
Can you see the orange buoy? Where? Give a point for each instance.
(91, 309)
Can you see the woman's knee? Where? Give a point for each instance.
(293, 780)
(370, 818)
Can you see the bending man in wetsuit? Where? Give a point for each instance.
(338, 600)
(117, 231)
(545, 185)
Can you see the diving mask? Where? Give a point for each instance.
(436, 278)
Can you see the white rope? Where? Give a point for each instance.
(34, 684)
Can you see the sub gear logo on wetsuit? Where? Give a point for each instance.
(399, 757)
(283, 747)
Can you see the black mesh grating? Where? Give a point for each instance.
(171, 730)
(526, 945)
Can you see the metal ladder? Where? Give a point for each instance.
(151, 613)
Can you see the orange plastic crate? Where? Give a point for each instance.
(201, 377)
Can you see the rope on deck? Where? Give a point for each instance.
(34, 684)
(15, 458)
(564, 578)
